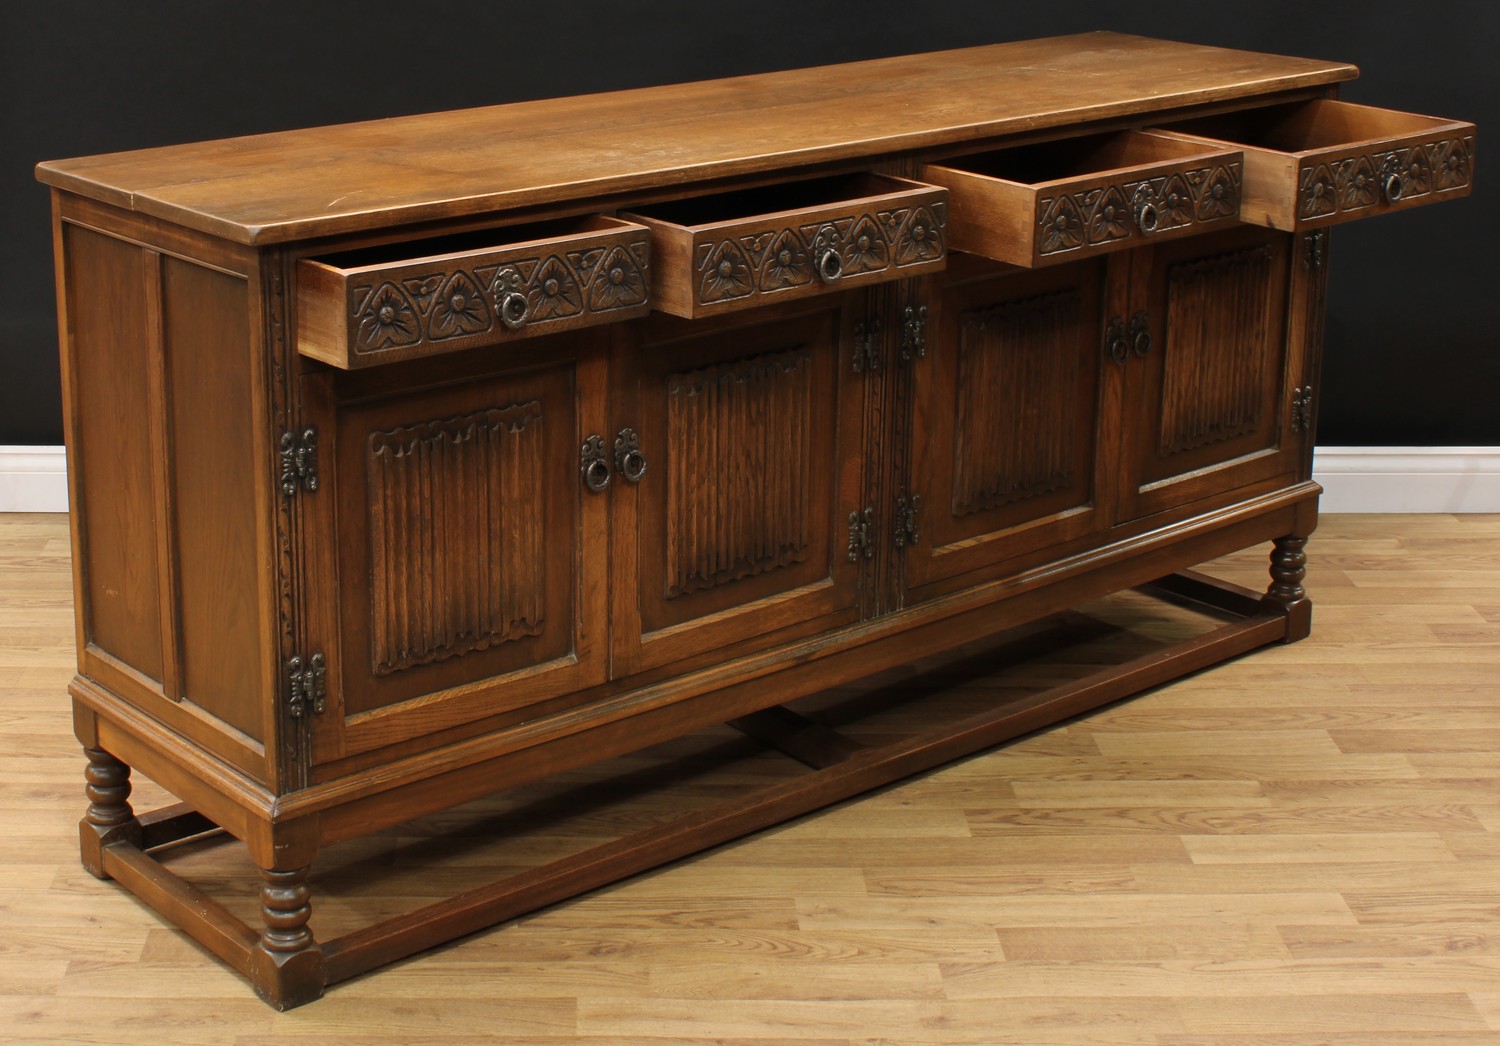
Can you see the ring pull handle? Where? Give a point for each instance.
(1140, 334)
(1147, 217)
(1144, 211)
(1114, 340)
(629, 460)
(1393, 187)
(595, 465)
(513, 310)
(830, 265)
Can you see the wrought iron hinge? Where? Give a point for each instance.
(861, 534)
(867, 346)
(908, 519)
(299, 461)
(1302, 402)
(914, 333)
(1314, 248)
(307, 685)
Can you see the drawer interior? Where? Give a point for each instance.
(1079, 157)
(766, 200)
(466, 243)
(1296, 127)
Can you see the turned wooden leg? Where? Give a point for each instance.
(109, 817)
(288, 963)
(1288, 568)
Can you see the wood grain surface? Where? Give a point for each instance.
(275, 187)
(1298, 848)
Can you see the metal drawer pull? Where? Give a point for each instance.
(1147, 218)
(830, 265)
(595, 466)
(629, 460)
(513, 310)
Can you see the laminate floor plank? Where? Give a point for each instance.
(1301, 847)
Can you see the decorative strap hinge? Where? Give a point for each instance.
(1302, 404)
(307, 685)
(299, 461)
(914, 333)
(867, 346)
(1314, 249)
(908, 519)
(862, 534)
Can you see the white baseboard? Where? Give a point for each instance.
(1408, 479)
(33, 479)
(1355, 479)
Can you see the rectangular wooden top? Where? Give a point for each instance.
(272, 188)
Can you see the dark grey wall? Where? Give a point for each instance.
(1414, 308)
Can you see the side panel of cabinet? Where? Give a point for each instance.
(1206, 399)
(1006, 416)
(464, 557)
(159, 368)
(752, 432)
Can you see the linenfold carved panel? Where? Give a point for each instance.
(455, 535)
(1218, 335)
(739, 452)
(1017, 372)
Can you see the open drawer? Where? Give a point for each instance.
(1039, 204)
(1315, 163)
(734, 250)
(417, 298)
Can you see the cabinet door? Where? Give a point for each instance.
(1206, 378)
(460, 559)
(751, 431)
(1005, 415)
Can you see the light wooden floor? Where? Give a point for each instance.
(1300, 847)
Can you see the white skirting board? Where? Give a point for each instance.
(1408, 479)
(33, 479)
(1355, 479)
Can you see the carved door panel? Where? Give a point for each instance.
(1207, 375)
(464, 557)
(1005, 417)
(751, 433)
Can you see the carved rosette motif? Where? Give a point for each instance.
(779, 259)
(1018, 372)
(455, 535)
(736, 503)
(1104, 214)
(464, 302)
(1353, 183)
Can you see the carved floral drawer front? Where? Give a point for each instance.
(379, 305)
(716, 254)
(1309, 164)
(1041, 204)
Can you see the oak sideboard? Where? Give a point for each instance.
(417, 459)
